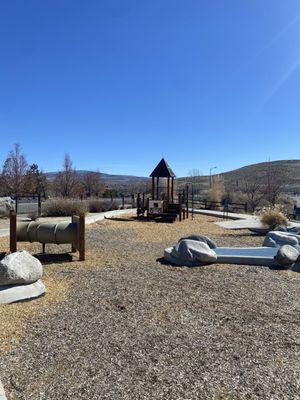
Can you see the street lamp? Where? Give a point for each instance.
(210, 177)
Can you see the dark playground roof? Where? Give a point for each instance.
(163, 170)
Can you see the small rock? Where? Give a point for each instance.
(20, 268)
(193, 250)
(287, 255)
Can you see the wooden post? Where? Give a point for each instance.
(16, 204)
(81, 237)
(157, 188)
(132, 200)
(148, 207)
(73, 248)
(123, 202)
(138, 205)
(153, 187)
(39, 205)
(192, 202)
(187, 201)
(168, 197)
(172, 189)
(143, 200)
(13, 232)
(180, 207)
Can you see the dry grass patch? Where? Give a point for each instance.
(15, 317)
(58, 279)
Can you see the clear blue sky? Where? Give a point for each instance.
(119, 84)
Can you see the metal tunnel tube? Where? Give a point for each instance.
(58, 233)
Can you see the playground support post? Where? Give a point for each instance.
(187, 201)
(13, 232)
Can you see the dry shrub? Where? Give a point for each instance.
(272, 217)
(216, 192)
(61, 207)
(33, 216)
(287, 203)
(96, 206)
(4, 214)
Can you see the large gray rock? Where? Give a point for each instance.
(13, 293)
(20, 268)
(287, 255)
(6, 204)
(201, 238)
(295, 230)
(193, 250)
(278, 239)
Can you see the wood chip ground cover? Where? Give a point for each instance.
(123, 325)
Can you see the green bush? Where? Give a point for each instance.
(61, 207)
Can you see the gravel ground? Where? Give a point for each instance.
(125, 326)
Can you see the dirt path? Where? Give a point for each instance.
(125, 326)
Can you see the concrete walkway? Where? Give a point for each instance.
(89, 219)
(238, 221)
(220, 214)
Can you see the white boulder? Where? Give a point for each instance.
(287, 255)
(277, 239)
(13, 293)
(201, 238)
(20, 268)
(194, 250)
(6, 204)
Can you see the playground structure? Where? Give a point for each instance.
(162, 205)
(72, 233)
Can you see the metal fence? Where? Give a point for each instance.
(215, 205)
(27, 206)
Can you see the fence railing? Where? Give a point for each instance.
(28, 205)
(216, 205)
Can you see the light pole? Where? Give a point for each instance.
(210, 176)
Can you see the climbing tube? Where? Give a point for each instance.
(58, 233)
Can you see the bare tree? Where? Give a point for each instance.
(67, 181)
(194, 175)
(142, 186)
(252, 187)
(275, 177)
(92, 184)
(14, 170)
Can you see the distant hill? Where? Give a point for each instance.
(110, 180)
(292, 168)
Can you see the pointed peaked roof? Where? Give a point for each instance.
(162, 170)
